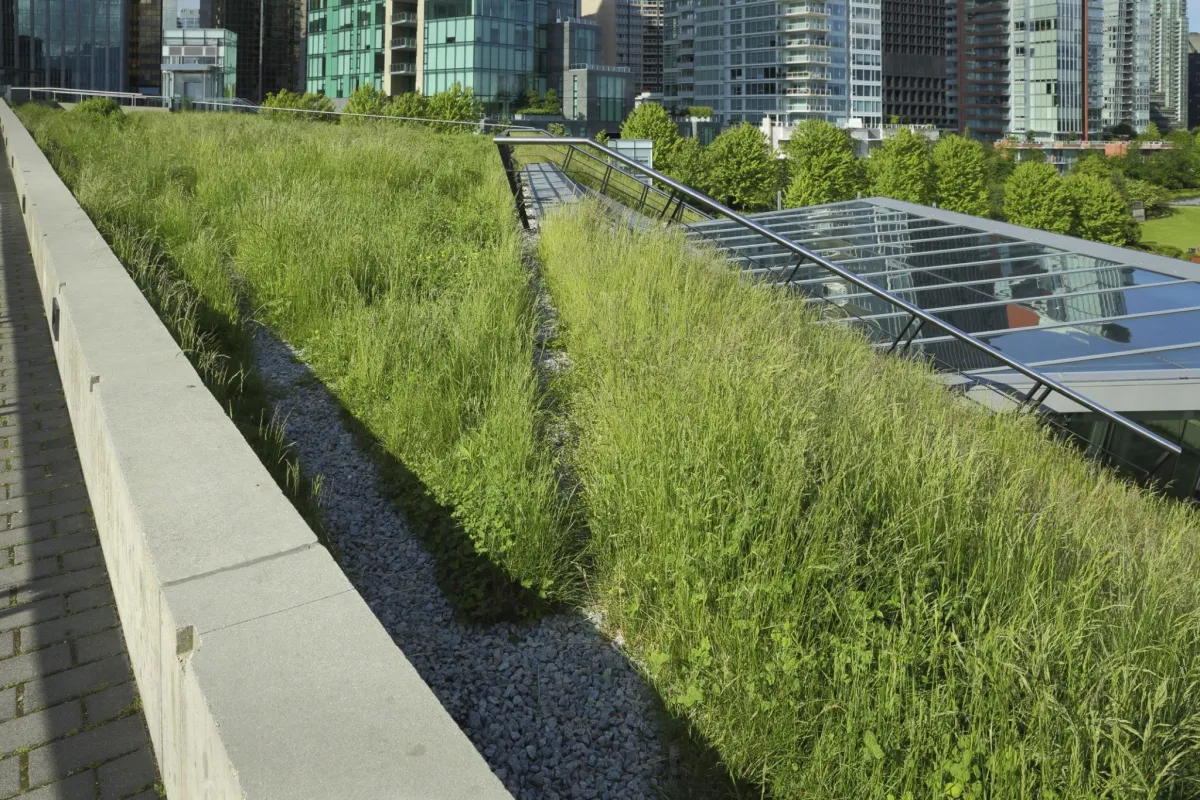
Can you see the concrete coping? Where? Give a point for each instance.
(262, 672)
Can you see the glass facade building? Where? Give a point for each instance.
(199, 63)
(345, 46)
(1168, 59)
(1121, 327)
(498, 48)
(1127, 63)
(1056, 69)
(76, 45)
(790, 61)
(268, 33)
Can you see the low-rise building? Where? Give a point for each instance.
(199, 63)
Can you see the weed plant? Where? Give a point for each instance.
(852, 584)
(390, 257)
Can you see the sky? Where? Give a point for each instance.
(1194, 16)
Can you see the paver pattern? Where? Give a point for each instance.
(71, 724)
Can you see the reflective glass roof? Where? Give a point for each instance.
(1054, 303)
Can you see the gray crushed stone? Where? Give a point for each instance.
(554, 706)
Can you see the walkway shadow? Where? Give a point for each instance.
(555, 708)
(70, 704)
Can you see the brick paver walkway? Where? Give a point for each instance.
(71, 724)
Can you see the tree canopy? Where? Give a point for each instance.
(1034, 196)
(740, 168)
(822, 165)
(961, 174)
(651, 121)
(1099, 212)
(902, 168)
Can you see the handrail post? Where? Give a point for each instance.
(514, 184)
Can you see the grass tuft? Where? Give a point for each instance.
(851, 584)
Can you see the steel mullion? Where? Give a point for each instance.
(1074, 324)
(1022, 300)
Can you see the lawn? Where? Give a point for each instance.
(851, 584)
(1181, 229)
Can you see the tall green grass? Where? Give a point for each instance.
(852, 584)
(388, 255)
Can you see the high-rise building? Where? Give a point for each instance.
(498, 48)
(402, 31)
(102, 45)
(1126, 67)
(1168, 61)
(268, 36)
(977, 60)
(914, 61)
(1056, 69)
(1193, 80)
(807, 59)
(652, 46)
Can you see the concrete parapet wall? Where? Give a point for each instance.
(262, 672)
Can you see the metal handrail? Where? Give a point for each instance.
(1042, 384)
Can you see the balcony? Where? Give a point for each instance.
(404, 69)
(807, 10)
(807, 58)
(404, 43)
(805, 26)
(806, 75)
(809, 91)
(816, 107)
(406, 17)
(807, 41)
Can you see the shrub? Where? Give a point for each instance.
(410, 104)
(98, 107)
(304, 103)
(366, 99)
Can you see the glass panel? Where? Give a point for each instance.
(1083, 340)
(1188, 357)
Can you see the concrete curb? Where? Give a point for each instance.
(262, 672)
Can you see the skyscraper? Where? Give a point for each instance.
(630, 36)
(1193, 80)
(1168, 61)
(104, 45)
(806, 59)
(1056, 70)
(268, 34)
(1126, 64)
(914, 61)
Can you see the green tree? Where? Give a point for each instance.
(455, 104)
(1034, 196)
(366, 99)
(410, 104)
(902, 168)
(602, 137)
(1155, 199)
(556, 129)
(1099, 212)
(686, 164)
(739, 168)
(1152, 134)
(961, 174)
(650, 121)
(822, 165)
